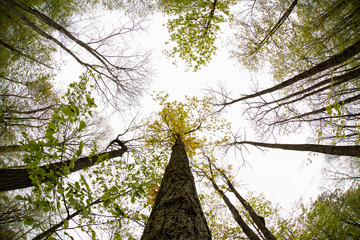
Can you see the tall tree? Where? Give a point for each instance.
(353, 151)
(177, 213)
(318, 57)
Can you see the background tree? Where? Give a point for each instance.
(317, 54)
(333, 215)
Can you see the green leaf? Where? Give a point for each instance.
(105, 197)
(72, 164)
(60, 190)
(66, 223)
(69, 111)
(20, 198)
(82, 125)
(119, 211)
(113, 189)
(52, 126)
(28, 220)
(107, 202)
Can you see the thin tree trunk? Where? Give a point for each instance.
(17, 178)
(258, 220)
(177, 213)
(53, 229)
(352, 151)
(329, 82)
(335, 60)
(324, 109)
(276, 27)
(246, 229)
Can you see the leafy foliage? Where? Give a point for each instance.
(332, 216)
(194, 28)
(192, 121)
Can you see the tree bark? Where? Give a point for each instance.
(258, 220)
(17, 178)
(177, 213)
(352, 151)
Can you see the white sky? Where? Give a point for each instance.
(283, 176)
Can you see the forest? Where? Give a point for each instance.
(93, 146)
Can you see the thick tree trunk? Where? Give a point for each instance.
(352, 151)
(17, 178)
(177, 212)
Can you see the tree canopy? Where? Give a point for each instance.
(65, 173)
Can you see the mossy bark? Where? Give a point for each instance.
(177, 213)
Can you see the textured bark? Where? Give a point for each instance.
(177, 212)
(352, 151)
(17, 178)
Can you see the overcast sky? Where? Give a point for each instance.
(283, 176)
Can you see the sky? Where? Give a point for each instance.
(282, 176)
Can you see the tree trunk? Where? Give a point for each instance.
(246, 229)
(258, 220)
(17, 178)
(53, 229)
(335, 60)
(352, 151)
(177, 212)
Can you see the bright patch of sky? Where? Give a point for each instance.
(283, 176)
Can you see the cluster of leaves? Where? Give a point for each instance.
(332, 215)
(193, 121)
(61, 142)
(308, 35)
(194, 28)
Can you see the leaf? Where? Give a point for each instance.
(72, 164)
(28, 220)
(66, 223)
(107, 202)
(82, 125)
(20, 198)
(105, 197)
(69, 111)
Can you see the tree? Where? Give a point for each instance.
(116, 79)
(333, 215)
(327, 149)
(17, 178)
(188, 119)
(177, 199)
(176, 213)
(317, 54)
